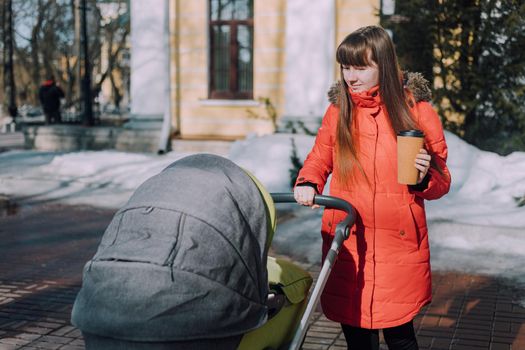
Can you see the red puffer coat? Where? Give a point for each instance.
(382, 276)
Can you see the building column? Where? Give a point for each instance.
(310, 59)
(149, 57)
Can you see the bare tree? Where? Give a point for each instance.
(114, 33)
(41, 12)
(44, 44)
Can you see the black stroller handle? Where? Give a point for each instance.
(326, 201)
(342, 232)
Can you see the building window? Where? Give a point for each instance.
(231, 49)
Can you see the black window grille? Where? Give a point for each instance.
(231, 49)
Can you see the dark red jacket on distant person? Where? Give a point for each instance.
(50, 95)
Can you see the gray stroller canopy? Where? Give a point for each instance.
(184, 259)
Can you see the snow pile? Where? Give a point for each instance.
(484, 187)
(102, 179)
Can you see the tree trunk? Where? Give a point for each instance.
(9, 78)
(87, 119)
(70, 81)
(117, 96)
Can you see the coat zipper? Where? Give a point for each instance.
(374, 229)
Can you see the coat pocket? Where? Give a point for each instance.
(408, 228)
(327, 222)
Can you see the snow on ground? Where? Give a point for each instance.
(476, 228)
(102, 179)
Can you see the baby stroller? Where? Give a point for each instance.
(184, 265)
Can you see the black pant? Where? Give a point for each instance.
(53, 117)
(397, 338)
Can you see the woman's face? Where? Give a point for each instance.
(361, 79)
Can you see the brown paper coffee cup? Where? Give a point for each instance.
(409, 142)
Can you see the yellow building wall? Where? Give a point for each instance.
(194, 115)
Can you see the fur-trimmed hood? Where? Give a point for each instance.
(412, 81)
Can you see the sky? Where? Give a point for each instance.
(476, 228)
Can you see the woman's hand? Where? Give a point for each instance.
(422, 164)
(304, 195)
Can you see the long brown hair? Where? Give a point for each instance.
(357, 49)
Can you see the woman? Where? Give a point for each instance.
(382, 277)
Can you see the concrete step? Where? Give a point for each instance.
(12, 140)
(71, 138)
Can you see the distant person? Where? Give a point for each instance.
(50, 94)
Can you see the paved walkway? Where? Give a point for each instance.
(43, 250)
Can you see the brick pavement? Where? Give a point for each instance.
(43, 250)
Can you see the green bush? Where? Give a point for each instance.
(475, 47)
